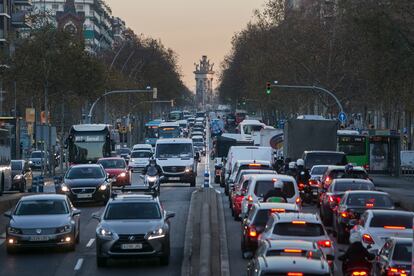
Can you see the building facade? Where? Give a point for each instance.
(204, 76)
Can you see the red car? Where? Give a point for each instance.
(237, 196)
(117, 169)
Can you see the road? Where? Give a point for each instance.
(174, 197)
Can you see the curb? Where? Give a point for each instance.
(224, 253)
(186, 264)
(205, 246)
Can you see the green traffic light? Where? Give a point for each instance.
(268, 91)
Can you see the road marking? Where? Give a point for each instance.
(79, 264)
(89, 244)
(2, 238)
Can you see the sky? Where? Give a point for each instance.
(191, 28)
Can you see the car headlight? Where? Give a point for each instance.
(104, 232)
(64, 188)
(13, 230)
(64, 229)
(122, 174)
(152, 178)
(103, 187)
(188, 169)
(157, 234)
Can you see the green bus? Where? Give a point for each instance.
(355, 146)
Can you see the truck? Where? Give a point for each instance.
(309, 134)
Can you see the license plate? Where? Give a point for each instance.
(174, 178)
(84, 195)
(39, 238)
(131, 246)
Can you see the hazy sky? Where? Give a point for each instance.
(192, 28)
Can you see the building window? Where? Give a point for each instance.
(79, 7)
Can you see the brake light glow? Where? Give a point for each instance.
(344, 214)
(328, 180)
(254, 165)
(250, 198)
(392, 271)
(301, 186)
(277, 210)
(298, 222)
(292, 251)
(369, 205)
(252, 232)
(274, 180)
(394, 227)
(359, 273)
(295, 274)
(325, 243)
(366, 238)
(298, 200)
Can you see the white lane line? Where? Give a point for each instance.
(89, 244)
(2, 238)
(78, 264)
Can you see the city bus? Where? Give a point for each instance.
(169, 130)
(355, 146)
(5, 161)
(87, 143)
(151, 132)
(176, 115)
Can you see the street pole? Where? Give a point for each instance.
(312, 87)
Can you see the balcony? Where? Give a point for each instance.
(22, 2)
(20, 19)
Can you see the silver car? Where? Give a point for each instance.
(133, 226)
(46, 220)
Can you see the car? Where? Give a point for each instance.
(124, 153)
(288, 265)
(395, 257)
(38, 160)
(299, 226)
(117, 170)
(86, 183)
(319, 157)
(254, 224)
(22, 175)
(133, 226)
(315, 184)
(46, 220)
(334, 172)
(139, 160)
(196, 134)
(352, 205)
(199, 144)
(329, 200)
(261, 185)
(376, 226)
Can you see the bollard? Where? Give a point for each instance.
(206, 179)
(41, 184)
(35, 185)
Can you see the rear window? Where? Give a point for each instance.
(352, 186)
(263, 216)
(403, 252)
(354, 174)
(318, 170)
(397, 220)
(263, 187)
(255, 167)
(313, 159)
(369, 201)
(305, 230)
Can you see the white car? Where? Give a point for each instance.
(299, 226)
(139, 159)
(376, 226)
(142, 147)
(260, 185)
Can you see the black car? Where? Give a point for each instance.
(86, 183)
(47, 220)
(22, 175)
(331, 198)
(133, 226)
(351, 207)
(394, 258)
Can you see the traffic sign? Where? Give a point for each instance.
(342, 117)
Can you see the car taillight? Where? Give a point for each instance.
(277, 210)
(314, 183)
(366, 238)
(359, 273)
(250, 198)
(333, 200)
(252, 232)
(393, 271)
(301, 186)
(394, 227)
(328, 180)
(325, 243)
(295, 274)
(298, 200)
(366, 167)
(344, 214)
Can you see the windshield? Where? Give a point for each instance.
(169, 132)
(318, 170)
(176, 115)
(16, 165)
(248, 129)
(141, 154)
(304, 230)
(88, 151)
(352, 186)
(124, 151)
(198, 140)
(177, 150)
(313, 159)
(132, 210)
(37, 154)
(359, 174)
(352, 146)
(113, 163)
(41, 207)
(369, 200)
(403, 252)
(85, 173)
(264, 187)
(398, 220)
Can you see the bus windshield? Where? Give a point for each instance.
(176, 115)
(88, 148)
(352, 145)
(151, 132)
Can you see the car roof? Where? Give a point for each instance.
(133, 198)
(354, 168)
(111, 158)
(197, 137)
(264, 177)
(44, 197)
(246, 162)
(351, 180)
(289, 263)
(389, 212)
(174, 140)
(86, 166)
(244, 172)
(366, 192)
(289, 217)
(296, 244)
(276, 205)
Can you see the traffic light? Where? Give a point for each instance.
(268, 88)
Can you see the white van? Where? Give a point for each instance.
(142, 147)
(247, 127)
(177, 160)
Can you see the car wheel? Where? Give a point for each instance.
(101, 262)
(165, 260)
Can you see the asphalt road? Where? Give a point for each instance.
(174, 197)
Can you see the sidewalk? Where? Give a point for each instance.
(401, 189)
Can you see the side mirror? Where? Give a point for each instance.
(76, 212)
(96, 216)
(8, 214)
(353, 222)
(169, 215)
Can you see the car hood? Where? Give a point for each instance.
(73, 183)
(115, 171)
(126, 227)
(44, 221)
